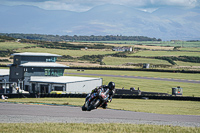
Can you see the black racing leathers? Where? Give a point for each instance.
(105, 88)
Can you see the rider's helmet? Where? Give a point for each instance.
(111, 85)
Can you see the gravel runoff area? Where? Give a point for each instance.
(26, 113)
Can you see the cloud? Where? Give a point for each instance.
(183, 3)
(84, 5)
(55, 5)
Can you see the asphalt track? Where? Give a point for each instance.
(138, 77)
(27, 113)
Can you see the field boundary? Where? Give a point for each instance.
(127, 69)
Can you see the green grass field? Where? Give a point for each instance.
(165, 53)
(75, 53)
(91, 128)
(13, 45)
(154, 43)
(189, 76)
(190, 49)
(181, 63)
(120, 61)
(189, 89)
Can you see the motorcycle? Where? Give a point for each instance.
(95, 100)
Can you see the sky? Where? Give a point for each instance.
(85, 5)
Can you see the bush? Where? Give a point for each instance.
(4, 60)
(169, 59)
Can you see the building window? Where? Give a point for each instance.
(58, 88)
(16, 73)
(54, 72)
(47, 72)
(51, 59)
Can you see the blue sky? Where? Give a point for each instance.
(84, 5)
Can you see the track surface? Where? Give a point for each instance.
(138, 77)
(15, 113)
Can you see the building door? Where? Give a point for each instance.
(26, 88)
(44, 88)
(33, 88)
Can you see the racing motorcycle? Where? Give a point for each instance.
(95, 100)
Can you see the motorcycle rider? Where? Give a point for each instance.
(111, 92)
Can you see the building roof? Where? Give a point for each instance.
(60, 79)
(4, 72)
(43, 64)
(36, 54)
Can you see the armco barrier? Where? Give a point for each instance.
(123, 96)
(183, 98)
(63, 95)
(138, 92)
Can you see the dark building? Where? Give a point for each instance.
(34, 64)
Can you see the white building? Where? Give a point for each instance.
(123, 49)
(4, 80)
(66, 84)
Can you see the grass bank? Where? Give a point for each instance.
(165, 53)
(121, 61)
(13, 45)
(91, 128)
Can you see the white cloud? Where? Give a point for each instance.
(84, 5)
(184, 3)
(57, 5)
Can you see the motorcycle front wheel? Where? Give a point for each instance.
(84, 108)
(93, 104)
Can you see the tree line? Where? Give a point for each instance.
(4, 38)
(65, 45)
(55, 38)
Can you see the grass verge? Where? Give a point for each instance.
(91, 128)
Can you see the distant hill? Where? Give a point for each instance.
(164, 23)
